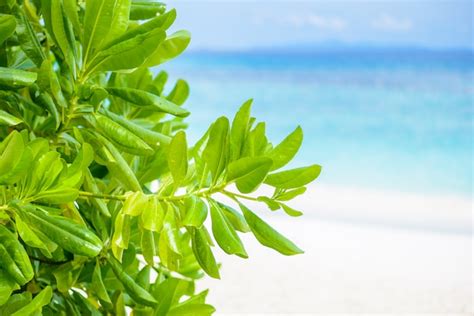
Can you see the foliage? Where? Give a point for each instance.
(103, 205)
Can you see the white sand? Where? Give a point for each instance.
(392, 266)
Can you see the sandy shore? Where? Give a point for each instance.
(352, 267)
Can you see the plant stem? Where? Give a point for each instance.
(232, 194)
(86, 194)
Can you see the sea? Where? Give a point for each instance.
(392, 119)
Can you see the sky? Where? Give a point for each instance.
(245, 24)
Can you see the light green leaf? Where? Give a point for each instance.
(290, 211)
(58, 27)
(170, 230)
(293, 178)
(153, 215)
(141, 10)
(235, 218)
(7, 286)
(224, 232)
(28, 39)
(180, 92)
(216, 151)
(291, 194)
(268, 236)
(196, 211)
(174, 45)
(143, 98)
(203, 253)
(178, 158)
(239, 130)
(287, 149)
(248, 172)
(36, 305)
(192, 310)
(97, 23)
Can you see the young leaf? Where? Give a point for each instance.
(196, 211)
(293, 178)
(7, 27)
(98, 284)
(268, 236)
(248, 172)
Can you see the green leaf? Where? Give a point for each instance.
(120, 20)
(122, 136)
(291, 194)
(196, 212)
(153, 215)
(248, 172)
(7, 27)
(203, 253)
(149, 246)
(128, 54)
(290, 211)
(170, 230)
(58, 27)
(97, 24)
(293, 178)
(216, 152)
(28, 39)
(180, 92)
(13, 257)
(235, 218)
(98, 284)
(239, 130)
(174, 45)
(143, 98)
(177, 157)
(145, 10)
(192, 309)
(224, 232)
(36, 305)
(287, 149)
(268, 236)
(29, 236)
(15, 78)
(136, 292)
(7, 286)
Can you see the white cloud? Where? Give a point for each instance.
(389, 23)
(317, 21)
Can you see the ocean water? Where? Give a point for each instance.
(395, 120)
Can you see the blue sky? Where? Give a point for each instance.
(234, 25)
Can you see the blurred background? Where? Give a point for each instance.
(384, 93)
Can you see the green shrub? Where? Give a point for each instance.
(103, 204)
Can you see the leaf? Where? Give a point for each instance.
(268, 236)
(216, 151)
(58, 27)
(128, 54)
(98, 284)
(293, 178)
(123, 137)
(196, 212)
(287, 149)
(180, 92)
(177, 157)
(290, 211)
(174, 45)
(145, 10)
(224, 232)
(170, 230)
(149, 246)
(289, 195)
(120, 20)
(239, 130)
(192, 309)
(15, 78)
(248, 172)
(203, 253)
(136, 292)
(28, 235)
(152, 216)
(143, 98)
(235, 218)
(7, 27)
(7, 286)
(13, 257)
(97, 21)
(36, 305)
(28, 39)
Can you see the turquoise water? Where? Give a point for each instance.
(392, 120)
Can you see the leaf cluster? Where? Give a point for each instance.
(104, 207)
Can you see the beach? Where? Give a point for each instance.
(388, 265)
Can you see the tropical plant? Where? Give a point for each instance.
(103, 205)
